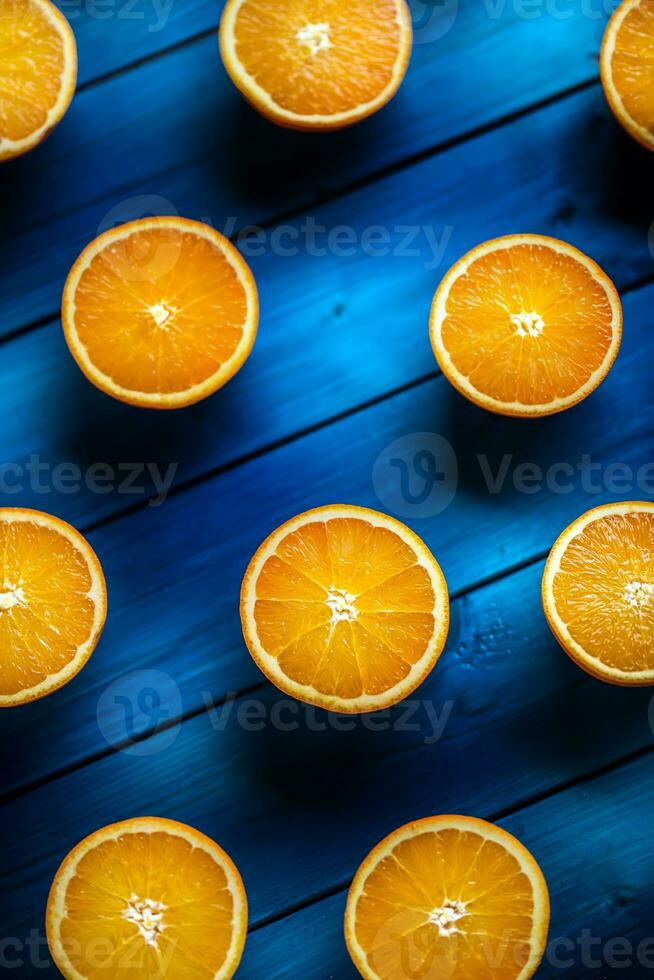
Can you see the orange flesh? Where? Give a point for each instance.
(446, 904)
(604, 590)
(319, 57)
(527, 324)
(45, 609)
(31, 68)
(160, 311)
(632, 64)
(107, 893)
(344, 607)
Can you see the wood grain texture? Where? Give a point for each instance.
(297, 807)
(174, 571)
(342, 370)
(175, 135)
(599, 872)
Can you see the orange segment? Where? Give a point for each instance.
(598, 592)
(316, 64)
(38, 72)
(627, 67)
(160, 312)
(147, 898)
(345, 608)
(526, 325)
(448, 897)
(53, 604)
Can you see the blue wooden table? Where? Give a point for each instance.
(500, 127)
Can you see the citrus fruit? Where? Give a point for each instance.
(627, 68)
(448, 898)
(38, 73)
(526, 325)
(316, 64)
(345, 608)
(147, 897)
(160, 312)
(53, 604)
(598, 592)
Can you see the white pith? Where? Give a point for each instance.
(606, 61)
(12, 148)
(12, 595)
(96, 595)
(447, 916)
(461, 268)
(268, 105)
(344, 603)
(438, 824)
(528, 324)
(148, 917)
(57, 909)
(161, 313)
(315, 37)
(201, 389)
(639, 594)
(634, 593)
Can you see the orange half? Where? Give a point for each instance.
(526, 325)
(448, 898)
(38, 73)
(316, 64)
(147, 898)
(345, 608)
(598, 592)
(53, 604)
(160, 312)
(627, 68)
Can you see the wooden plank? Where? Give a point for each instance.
(319, 351)
(297, 807)
(191, 552)
(177, 129)
(592, 842)
(113, 34)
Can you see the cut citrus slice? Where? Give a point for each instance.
(598, 592)
(345, 608)
(316, 64)
(160, 312)
(38, 73)
(627, 67)
(526, 325)
(448, 898)
(53, 604)
(147, 898)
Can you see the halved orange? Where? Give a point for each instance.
(38, 73)
(53, 604)
(598, 592)
(160, 312)
(448, 898)
(147, 897)
(316, 64)
(345, 608)
(627, 68)
(526, 325)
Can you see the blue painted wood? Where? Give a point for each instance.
(177, 129)
(297, 807)
(591, 842)
(174, 572)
